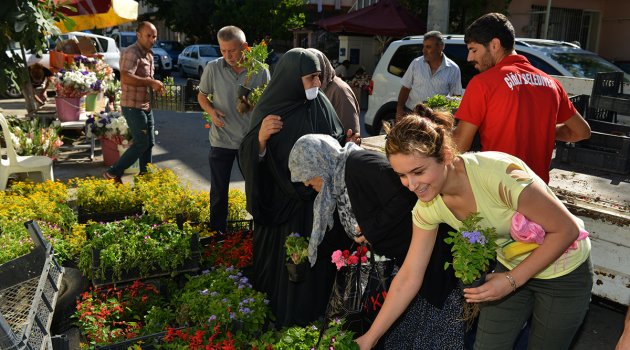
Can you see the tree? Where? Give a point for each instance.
(257, 18)
(29, 23)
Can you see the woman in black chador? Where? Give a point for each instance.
(290, 107)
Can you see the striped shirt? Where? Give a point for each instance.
(447, 80)
(137, 61)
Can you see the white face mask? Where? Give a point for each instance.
(311, 93)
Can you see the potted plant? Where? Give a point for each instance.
(333, 337)
(134, 248)
(254, 58)
(297, 264)
(224, 300)
(113, 132)
(104, 75)
(102, 200)
(474, 248)
(72, 83)
(445, 103)
(106, 316)
(30, 138)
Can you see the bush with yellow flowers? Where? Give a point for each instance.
(104, 196)
(164, 198)
(47, 201)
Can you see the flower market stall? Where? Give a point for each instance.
(154, 282)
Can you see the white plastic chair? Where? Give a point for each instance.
(21, 164)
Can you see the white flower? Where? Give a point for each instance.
(156, 132)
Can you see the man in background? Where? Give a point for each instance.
(136, 76)
(430, 74)
(517, 108)
(220, 80)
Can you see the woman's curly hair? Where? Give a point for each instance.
(424, 131)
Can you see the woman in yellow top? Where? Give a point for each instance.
(552, 283)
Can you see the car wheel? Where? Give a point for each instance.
(388, 117)
(13, 91)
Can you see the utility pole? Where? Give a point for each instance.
(437, 15)
(547, 15)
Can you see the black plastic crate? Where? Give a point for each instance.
(84, 216)
(602, 158)
(29, 287)
(580, 102)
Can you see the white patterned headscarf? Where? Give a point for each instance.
(316, 155)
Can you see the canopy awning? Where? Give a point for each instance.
(387, 18)
(97, 14)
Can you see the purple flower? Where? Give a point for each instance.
(474, 237)
(212, 318)
(203, 292)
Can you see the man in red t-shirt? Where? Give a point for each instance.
(517, 108)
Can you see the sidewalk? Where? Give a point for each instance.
(181, 145)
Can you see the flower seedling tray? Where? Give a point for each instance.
(190, 265)
(84, 216)
(147, 342)
(29, 287)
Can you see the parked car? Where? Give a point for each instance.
(552, 57)
(161, 59)
(194, 58)
(173, 48)
(105, 46)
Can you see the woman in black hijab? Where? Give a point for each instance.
(290, 107)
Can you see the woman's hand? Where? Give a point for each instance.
(353, 137)
(496, 287)
(272, 124)
(364, 342)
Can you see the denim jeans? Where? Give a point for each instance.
(141, 125)
(221, 161)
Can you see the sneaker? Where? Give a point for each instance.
(108, 176)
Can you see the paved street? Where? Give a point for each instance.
(182, 145)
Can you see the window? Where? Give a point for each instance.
(539, 63)
(402, 58)
(207, 51)
(459, 54)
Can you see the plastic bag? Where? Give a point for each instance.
(359, 292)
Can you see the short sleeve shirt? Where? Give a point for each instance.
(447, 80)
(516, 108)
(220, 81)
(137, 61)
(496, 194)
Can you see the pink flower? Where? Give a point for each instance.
(338, 260)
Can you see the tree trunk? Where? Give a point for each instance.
(27, 87)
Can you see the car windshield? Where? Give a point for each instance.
(584, 65)
(207, 51)
(171, 45)
(126, 40)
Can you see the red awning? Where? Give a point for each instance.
(386, 17)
